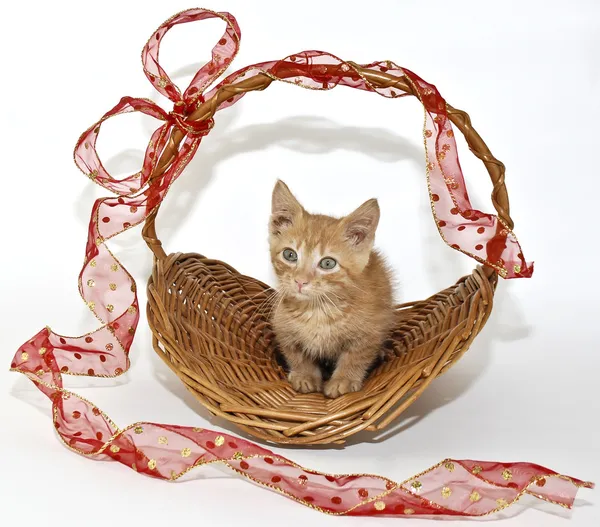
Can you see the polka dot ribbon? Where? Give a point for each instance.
(454, 488)
(450, 488)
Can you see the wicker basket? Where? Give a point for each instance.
(209, 328)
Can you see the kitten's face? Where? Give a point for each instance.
(319, 257)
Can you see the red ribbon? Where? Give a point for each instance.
(463, 488)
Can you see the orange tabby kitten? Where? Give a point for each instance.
(335, 293)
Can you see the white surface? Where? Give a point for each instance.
(528, 74)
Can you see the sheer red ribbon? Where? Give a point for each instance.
(454, 488)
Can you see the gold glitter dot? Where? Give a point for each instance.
(186, 452)
(162, 82)
(451, 183)
(134, 466)
(162, 440)
(92, 305)
(501, 502)
(42, 351)
(39, 373)
(446, 492)
(507, 475)
(196, 429)
(24, 356)
(450, 133)
(442, 155)
(112, 287)
(138, 430)
(114, 268)
(110, 308)
(428, 133)
(430, 166)
(379, 505)
(409, 511)
(114, 449)
(87, 145)
(91, 283)
(152, 464)
(109, 347)
(93, 263)
(219, 440)
(449, 466)
(517, 268)
(131, 309)
(132, 288)
(477, 469)
(131, 331)
(416, 485)
(475, 496)
(133, 208)
(238, 455)
(93, 175)
(98, 240)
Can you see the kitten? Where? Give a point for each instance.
(335, 292)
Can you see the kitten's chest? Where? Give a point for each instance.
(317, 333)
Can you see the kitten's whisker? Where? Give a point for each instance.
(270, 301)
(340, 299)
(325, 307)
(268, 298)
(358, 288)
(268, 295)
(275, 305)
(326, 297)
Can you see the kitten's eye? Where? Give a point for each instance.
(290, 255)
(327, 263)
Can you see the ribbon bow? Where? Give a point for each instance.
(107, 347)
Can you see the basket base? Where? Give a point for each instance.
(210, 325)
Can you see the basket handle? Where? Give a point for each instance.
(462, 121)
(379, 79)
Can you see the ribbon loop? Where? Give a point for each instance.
(88, 161)
(222, 54)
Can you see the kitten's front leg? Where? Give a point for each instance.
(351, 370)
(305, 376)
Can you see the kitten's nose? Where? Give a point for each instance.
(301, 283)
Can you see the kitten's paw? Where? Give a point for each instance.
(304, 383)
(336, 387)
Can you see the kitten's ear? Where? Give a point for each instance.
(360, 226)
(285, 208)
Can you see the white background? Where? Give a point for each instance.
(528, 74)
